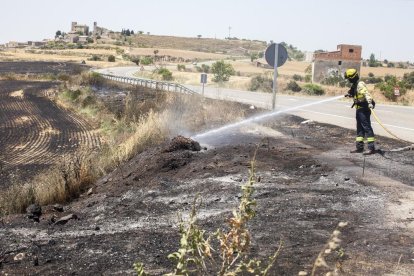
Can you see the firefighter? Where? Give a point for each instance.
(363, 103)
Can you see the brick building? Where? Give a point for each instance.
(326, 64)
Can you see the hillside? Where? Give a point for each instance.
(210, 45)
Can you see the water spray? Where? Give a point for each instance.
(259, 118)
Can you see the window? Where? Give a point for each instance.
(351, 50)
(340, 62)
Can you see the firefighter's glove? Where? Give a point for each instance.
(348, 95)
(371, 106)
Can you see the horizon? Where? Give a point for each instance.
(307, 26)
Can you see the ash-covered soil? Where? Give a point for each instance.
(40, 67)
(34, 131)
(308, 182)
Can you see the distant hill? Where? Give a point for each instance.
(235, 47)
(232, 47)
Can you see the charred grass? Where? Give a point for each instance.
(142, 119)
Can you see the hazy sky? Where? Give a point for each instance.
(382, 27)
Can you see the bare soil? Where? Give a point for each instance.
(309, 182)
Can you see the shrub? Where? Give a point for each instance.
(387, 87)
(180, 67)
(95, 58)
(261, 83)
(371, 79)
(73, 95)
(63, 77)
(165, 74)
(308, 78)
(293, 86)
(205, 68)
(313, 89)
(111, 58)
(222, 71)
(409, 80)
(335, 79)
(92, 79)
(297, 77)
(146, 60)
(88, 101)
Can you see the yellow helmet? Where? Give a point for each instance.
(351, 74)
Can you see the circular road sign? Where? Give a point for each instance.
(270, 55)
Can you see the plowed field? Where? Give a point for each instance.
(34, 131)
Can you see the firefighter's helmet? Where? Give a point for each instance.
(351, 74)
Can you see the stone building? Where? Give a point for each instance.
(15, 44)
(99, 31)
(327, 64)
(79, 29)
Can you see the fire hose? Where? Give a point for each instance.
(389, 132)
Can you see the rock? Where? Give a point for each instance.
(65, 219)
(90, 191)
(34, 212)
(19, 257)
(58, 208)
(347, 178)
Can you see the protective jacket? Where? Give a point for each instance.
(362, 98)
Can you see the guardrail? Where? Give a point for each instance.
(159, 85)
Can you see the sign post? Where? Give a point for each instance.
(275, 55)
(275, 77)
(203, 81)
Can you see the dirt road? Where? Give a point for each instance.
(309, 182)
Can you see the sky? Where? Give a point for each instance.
(384, 28)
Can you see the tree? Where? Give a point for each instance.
(127, 32)
(58, 33)
(111, 58)
(222, 71)
(132, 32)
(372, 61)
(198, 36)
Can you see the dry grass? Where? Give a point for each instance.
(382, 71)
(148, 131)
(60, 184)
(209, 45)
(185, 54)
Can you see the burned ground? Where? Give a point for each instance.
(34, 131)
(40, 67)
(309, 182)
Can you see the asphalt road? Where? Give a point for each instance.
(397, 119)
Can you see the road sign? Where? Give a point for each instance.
(270, 55)
(203, 78)
(203, 81)
(397, 91)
